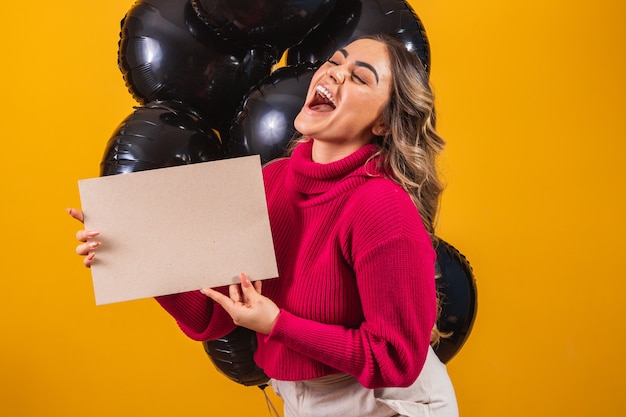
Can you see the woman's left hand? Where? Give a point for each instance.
(247, 307)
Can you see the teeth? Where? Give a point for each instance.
(325, 93)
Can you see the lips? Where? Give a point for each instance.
(323, 100)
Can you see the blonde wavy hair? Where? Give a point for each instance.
(411, 145)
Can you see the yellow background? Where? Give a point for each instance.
(531, 101)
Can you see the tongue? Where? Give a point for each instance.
(321, 104)
(322, 107)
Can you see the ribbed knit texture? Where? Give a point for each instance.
(356, 282)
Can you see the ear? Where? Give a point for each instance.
(379, 128)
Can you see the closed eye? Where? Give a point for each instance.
(359, 79)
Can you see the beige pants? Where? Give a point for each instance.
(340, 395)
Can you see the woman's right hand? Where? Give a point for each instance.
(88, 246)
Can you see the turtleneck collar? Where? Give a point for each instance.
(314, 182)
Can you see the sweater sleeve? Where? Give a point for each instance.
(393, 262)
(197, 315)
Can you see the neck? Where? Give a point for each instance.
(325, 153)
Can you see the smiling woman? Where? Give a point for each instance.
(349, 322)
(343, 108)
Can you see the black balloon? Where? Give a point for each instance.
(158, 135)
(167, 53)
(352, 19)
(233, 355)
(264, 122)
(457, 289)
(274, 23)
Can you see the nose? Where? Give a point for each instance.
(337, 73)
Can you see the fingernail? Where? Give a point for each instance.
(245, 281)
(93, 245)
(92, 233)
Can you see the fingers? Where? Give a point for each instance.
(82, 235)
(77, 214)
(237, 295)
(218, 297)
(86, 248)
(88, 251)
(246, 306)
(245, 282)
(89, 259)
(249, 290)
(85, 235)
(233, 292)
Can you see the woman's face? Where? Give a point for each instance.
(347, 95)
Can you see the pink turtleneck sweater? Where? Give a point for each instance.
(356, 283)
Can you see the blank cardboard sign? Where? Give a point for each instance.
(178, 229)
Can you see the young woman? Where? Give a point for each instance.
(345, 330)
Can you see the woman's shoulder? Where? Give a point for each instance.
(380, 212)
(382, 190)
(383, 201)
(275, 167)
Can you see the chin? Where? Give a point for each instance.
(300, 125)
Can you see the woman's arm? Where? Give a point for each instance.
(198, 316)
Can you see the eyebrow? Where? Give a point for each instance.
(360, 63)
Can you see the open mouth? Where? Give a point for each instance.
(323, 101)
